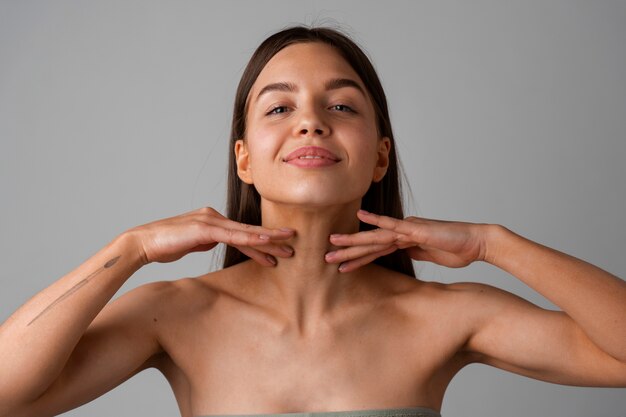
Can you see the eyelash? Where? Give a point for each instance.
(271, 112)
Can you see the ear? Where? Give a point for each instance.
(242, 158)
(382, 162)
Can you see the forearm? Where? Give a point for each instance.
(592, 297)
(37, 339)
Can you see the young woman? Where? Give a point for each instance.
(317, 308)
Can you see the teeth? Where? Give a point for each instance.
(310, 157)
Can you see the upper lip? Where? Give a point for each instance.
(311, 151)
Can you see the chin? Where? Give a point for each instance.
(308, 202)
(313, 193)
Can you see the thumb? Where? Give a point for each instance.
(204, 247)
(418, 254)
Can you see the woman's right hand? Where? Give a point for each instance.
(172, 238)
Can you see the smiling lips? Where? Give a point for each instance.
(312, 156)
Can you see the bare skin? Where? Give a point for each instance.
(229, 345)
(387, 340)
(291, 330)
(393, 341)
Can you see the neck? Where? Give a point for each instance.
(304, 286)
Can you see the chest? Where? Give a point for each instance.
(230, 363)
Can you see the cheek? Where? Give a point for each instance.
(364, 155)
(262, 147)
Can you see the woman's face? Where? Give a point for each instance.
(341, 120)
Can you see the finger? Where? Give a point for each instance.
(232, 236)
(368, 237)
(258, 256)
(213, 217)
(218, 219)
(391, 223)
(354, 252)
(283, 251)
(245, 242)
(357, 263)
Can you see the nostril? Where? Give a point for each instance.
(318, 131)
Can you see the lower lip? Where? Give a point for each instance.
(312, 162)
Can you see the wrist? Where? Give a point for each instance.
(131, 246)
(495, 236)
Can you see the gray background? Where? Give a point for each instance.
(117, 113)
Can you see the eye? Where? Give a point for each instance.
(273, 111)
(276, 108)
(347, 107)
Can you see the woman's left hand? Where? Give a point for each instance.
(447, 243)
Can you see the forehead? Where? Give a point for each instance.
(303, 63)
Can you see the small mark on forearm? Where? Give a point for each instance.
(76, 287)
(111, 262)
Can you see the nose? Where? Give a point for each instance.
(310, 124)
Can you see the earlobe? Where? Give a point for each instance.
(242, 159)
(382, 163)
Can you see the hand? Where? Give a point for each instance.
(447, 243)
(172, 238)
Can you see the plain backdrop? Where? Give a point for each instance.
(117, 113)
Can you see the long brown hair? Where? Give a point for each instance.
(383, 197)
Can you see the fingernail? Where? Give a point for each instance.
(331, 254)
(334, 236)
(271, 259)
(264, 237)
(363, 211)
(286, 229)
(342, 266)
(286, 249)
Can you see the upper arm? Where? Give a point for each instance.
(120, 342)
(515, 335)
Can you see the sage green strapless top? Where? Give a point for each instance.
(385, 412)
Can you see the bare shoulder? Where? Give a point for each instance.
(468, 300)
(139, 302)
(480, 299)
(435, 305)
(187, 294)
(438, 320)
(158, 295)
(433, 293)
(461, 294)
(190, 298)
(459, 307)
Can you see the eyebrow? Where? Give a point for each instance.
(332, 84)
